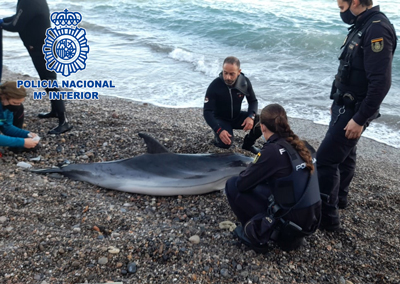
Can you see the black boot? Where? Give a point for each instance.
(61, 128)
(63, 125)
(248, 145)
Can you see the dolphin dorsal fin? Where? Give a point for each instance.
(153, 146)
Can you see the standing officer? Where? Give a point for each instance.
(222, 106)
(361, 83)
(31, 22)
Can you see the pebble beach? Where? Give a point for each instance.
(55, 230)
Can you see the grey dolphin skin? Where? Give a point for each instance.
(159, 172)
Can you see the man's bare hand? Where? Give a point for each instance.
(225, 137)
(353, 130)
(248, 124)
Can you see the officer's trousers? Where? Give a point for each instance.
(227, 125)
(336, 163)
(247, 204)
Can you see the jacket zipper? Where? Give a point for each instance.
(230, 93)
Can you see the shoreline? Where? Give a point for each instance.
(55, 230)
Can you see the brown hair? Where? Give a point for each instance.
(232, 60)
(274, 117)
(10, 90)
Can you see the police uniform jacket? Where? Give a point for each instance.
(13, 136)
(225, 102)
(31, 22)
(272, 163)
(368, 53)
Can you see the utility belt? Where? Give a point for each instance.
(346, 99)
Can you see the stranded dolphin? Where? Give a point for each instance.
(159, 172)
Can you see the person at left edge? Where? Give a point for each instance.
(281, 183)
(222, 106)
(31, 22)
(11, 99)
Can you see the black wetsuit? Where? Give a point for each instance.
(247, 198)
(31, 22)
(222, 108)
(361, 84)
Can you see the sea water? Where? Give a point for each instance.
(166, 53)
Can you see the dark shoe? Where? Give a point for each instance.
(343, 203)
(329, 224)
(61, 128)
(239, 234)
(252, 149)
(47, 115)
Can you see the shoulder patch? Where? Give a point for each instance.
(377, 44)
(256, 158)
(206, 100)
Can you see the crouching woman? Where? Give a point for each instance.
(276, 198)
(11, 99)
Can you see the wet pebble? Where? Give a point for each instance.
(102, 260)
(132, 267)
(194, 239)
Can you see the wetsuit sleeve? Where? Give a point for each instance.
(263, 167)
(252, 100)
(210, 105)
(18, 22)
(378, 68)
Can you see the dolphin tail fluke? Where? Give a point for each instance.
(153, 146)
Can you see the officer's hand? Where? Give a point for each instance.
(225, 137)
(30, 143)
(248, 124)
(353, 130)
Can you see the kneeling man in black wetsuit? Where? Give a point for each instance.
(222, 106)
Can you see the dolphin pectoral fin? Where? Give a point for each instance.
(153, 146)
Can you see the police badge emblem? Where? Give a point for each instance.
(65, 46)
(377, 44)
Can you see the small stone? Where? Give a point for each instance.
(132, 267)
(35, 195)
(194, 239)
(124, 272)
(77, 230)
(102, 260)
(238, 267)
(3, 219)
(113, 250)
(61, 251)
(9, 229)
(115, 235)
(119, 265)
(75, 264)
(37, 277)
(224, 272)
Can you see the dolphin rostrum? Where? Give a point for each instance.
(159, 172)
